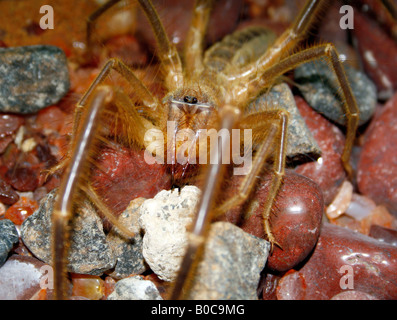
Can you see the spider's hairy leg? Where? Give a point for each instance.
(349, 105)
(63, 207)
(93, 18)
(283, 45)
(391, 10)
(199, 230)
(167, 52)
(95, 108)
(140, 90)
(194, 41)
(268, 134)
(277, 127)
(278, 172)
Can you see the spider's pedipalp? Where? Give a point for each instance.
(194, 41)
(200, 226)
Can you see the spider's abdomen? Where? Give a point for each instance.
(238, 49)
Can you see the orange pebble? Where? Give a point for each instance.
(84, 285)
(21, 209)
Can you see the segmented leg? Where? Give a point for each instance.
(276, 62)
(349, 102)
(282, 47)
(63, 208)
(140, 90)
(195, 38)
(93, 18)
(167, 52)
(200, 228)
(87, 117)
(276, 129)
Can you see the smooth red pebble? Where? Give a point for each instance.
(9, 124)
(295, 219)
(4, 143)
(267, 286)
(125, 175)
(20, 210)
(327, 171)
(377, 165)
(22, 179)
(378, 52)
(7, 194)
(51, 118)
(343, 259)
(383, 234)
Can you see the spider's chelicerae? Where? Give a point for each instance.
(206, 90)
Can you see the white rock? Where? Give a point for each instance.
(135, 288)
(164, 219)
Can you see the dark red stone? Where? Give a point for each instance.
(125, 175)
(22, 179)
(295, 220)
(386, 235)
(9, 124)
(329, 173)
(7, 194)
(373, 268)
(378, 52)
(267, 286)
(4, 142)
(377, 166)
(50, 118)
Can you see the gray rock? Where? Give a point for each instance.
(32, 77)
(8, 237)
(128, 252)
(135, 288)
(320, 88)
(231, 265)
(89, 253)
(300, 139)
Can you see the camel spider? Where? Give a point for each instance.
(205, 90)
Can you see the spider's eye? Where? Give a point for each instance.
(190, 99)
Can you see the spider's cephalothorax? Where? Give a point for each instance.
(206, 91)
